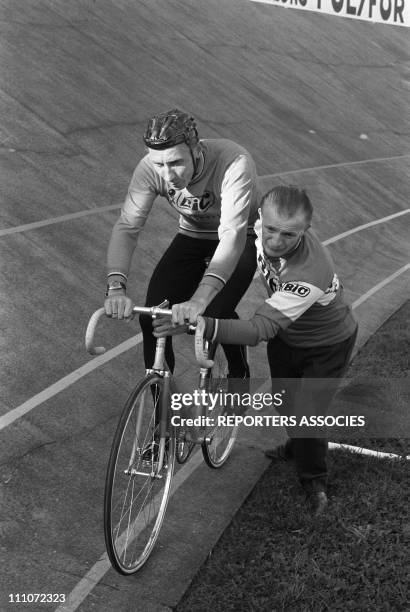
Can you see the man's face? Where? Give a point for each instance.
(174, 165)
(281, 234)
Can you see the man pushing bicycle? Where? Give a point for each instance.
(212, 184)
(308, 325)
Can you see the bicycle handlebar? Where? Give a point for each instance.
(92, 324)
(90, 331)
(153, 311)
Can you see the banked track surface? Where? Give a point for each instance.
(78, 81)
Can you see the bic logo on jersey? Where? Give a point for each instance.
(296, 289)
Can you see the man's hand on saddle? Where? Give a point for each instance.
(183, 315)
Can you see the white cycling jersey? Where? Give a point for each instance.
(222, 198)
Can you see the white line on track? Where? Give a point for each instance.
(380, 285)
(359, 228)
(54, 220)
(94, 211)
(340, 165)
(366, 451)
(67, 381)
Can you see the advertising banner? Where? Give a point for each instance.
(392, 12)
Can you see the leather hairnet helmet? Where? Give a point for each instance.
(169, 129)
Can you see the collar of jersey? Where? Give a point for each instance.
(289, 254)
(200, 169)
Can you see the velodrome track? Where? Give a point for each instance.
(319, 101)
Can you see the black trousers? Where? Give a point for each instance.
(303, 373)
(176, 278)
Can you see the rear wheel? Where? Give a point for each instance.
(138, 480)
(220, 439)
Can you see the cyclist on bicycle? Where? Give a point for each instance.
(212, 185)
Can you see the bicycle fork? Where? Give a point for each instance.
(160, 417)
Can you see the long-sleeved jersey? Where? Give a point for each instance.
(305, 307)
(222, 198)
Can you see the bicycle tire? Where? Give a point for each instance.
(135, 503)
(219, 442)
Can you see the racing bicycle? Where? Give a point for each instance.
(147, 444)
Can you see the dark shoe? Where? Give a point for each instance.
(282, 452)
(317, 501)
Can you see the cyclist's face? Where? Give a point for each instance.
(174, 165)
(280, 234)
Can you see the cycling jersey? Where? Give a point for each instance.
(222, 197)
(306, 306)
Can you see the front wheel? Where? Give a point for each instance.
(221, 437)
(138, 480)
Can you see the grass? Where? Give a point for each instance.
(275, 557)
(386, 356)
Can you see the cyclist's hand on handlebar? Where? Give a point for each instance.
(118, 307)
(163, 326)
(187, 312)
